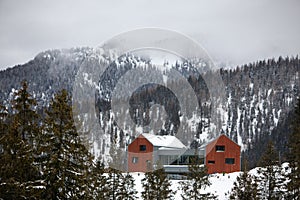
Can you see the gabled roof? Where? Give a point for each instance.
(164, 141)
(213, 142)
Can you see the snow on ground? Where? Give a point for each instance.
(138, 176)
(221, 184)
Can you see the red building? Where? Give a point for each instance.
(139, 154)
(147, 149)
(221, 155)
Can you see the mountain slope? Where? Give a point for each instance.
(259, 96)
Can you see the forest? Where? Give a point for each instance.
(45, 157)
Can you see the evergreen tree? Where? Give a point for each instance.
(3, 123)
(67, 159)
(245, 186)
(116, 164)
(100, 182)
(197, 180)
(157, 185)
(24, 116)
(293, 184)
(269, 175)
(27, 121)
(20, 177)
(117, 155)
(114, 183)
(127, 191)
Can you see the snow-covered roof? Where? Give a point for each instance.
(164, 141)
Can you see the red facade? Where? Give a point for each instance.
(140, 155)
(223, 156)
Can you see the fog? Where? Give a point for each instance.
(233, 31)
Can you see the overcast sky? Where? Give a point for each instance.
(235, 31)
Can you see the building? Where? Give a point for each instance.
(147, 149)
(221, 155)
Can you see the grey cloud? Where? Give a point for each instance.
(231, 31)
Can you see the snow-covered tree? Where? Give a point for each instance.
(156, 185)
(127, 191)
(270, 175)
(3, 126)
(117, 155)
(67, 159)
(99, 180)
(197, 180)
(293, 184)
(245, 186)
(114, 184)
(19, 176)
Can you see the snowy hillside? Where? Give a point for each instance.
(259, 96)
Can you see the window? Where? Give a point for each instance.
(142, 147)
(135, 159)
(220, 148)
(229, 161)
(211, 162)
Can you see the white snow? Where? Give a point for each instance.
(251, 86)
(221, 184)
(164, 141)
(269, 92)
(165, 79)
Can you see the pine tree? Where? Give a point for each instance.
(3, 126)
(67, 159)
(245, 186)
(100, 182)
(197, 180)
(114, 183)
(3, 123)
(117, 155)
(269, 175)
(27, 121)
(24, 115)
(116, 166)
(127, 191)
(3, 113)
(20, 177)
(293, 184)
(157, 185)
